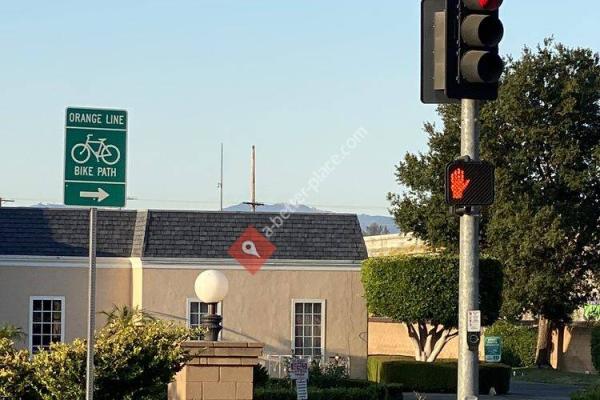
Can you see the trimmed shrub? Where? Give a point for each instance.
(272, 393)
(592, 393)
(394, 391)
(423, 289)
(260, 375)
(371, 392)
(328, 375)
(518, 343)
(279, 383)
(60, 372)
(438, 377)
(135, 358)
(595, 347)
(12, 332)
(16, 373)
(495, 376)
(420, 377)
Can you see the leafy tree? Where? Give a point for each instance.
(375, 229)
(422, 291)
(543, 135)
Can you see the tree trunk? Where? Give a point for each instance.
(428, 343)
(414, 338)
(542, 353)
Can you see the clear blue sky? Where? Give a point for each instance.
(295, 78)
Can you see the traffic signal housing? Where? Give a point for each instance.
(470, 183)
(460, 56)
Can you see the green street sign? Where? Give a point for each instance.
(95, 157)
(493, 349)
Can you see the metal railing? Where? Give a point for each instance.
(277, 365)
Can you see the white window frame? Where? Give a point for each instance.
(62, 317)
(188, 307)
(323, 303)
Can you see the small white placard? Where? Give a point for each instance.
(299, 369)
(474, 321)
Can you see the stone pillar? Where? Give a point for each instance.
(218, 371)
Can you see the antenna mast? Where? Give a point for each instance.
(220, 185)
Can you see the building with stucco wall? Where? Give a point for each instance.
(307, 298)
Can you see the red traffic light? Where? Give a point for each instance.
(491, 5)
(487, 5)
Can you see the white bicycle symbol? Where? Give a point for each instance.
(109, 154)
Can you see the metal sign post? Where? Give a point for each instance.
(468, 297)
(89, 381)
(299, 373)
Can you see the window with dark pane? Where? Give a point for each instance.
(308, 337)
(196, 310)
(46, 323)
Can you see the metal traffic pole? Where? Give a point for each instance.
(89, 383)
(468, 368)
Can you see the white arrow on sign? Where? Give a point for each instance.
(100, 195)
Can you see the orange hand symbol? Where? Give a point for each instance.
(458, 184)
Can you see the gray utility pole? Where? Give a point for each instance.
(468, 297)
(89, 382)
(253, 203)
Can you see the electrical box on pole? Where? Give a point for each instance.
(459, 50)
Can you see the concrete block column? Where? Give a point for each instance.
(218, 371)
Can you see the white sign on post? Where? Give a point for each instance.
(474, 321)
(299, 372)
(299, 369)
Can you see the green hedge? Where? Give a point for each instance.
(371, 392)
(595, 347)
(518, 343)
(589, 394)
(438, 377)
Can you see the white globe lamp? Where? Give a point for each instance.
(211, 287)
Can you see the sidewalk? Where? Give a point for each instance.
(519, 391)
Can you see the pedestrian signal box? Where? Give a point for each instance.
(470, 183)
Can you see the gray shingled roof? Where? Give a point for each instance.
(175, 234)
(64, 232)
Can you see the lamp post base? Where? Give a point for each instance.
(212, 322)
